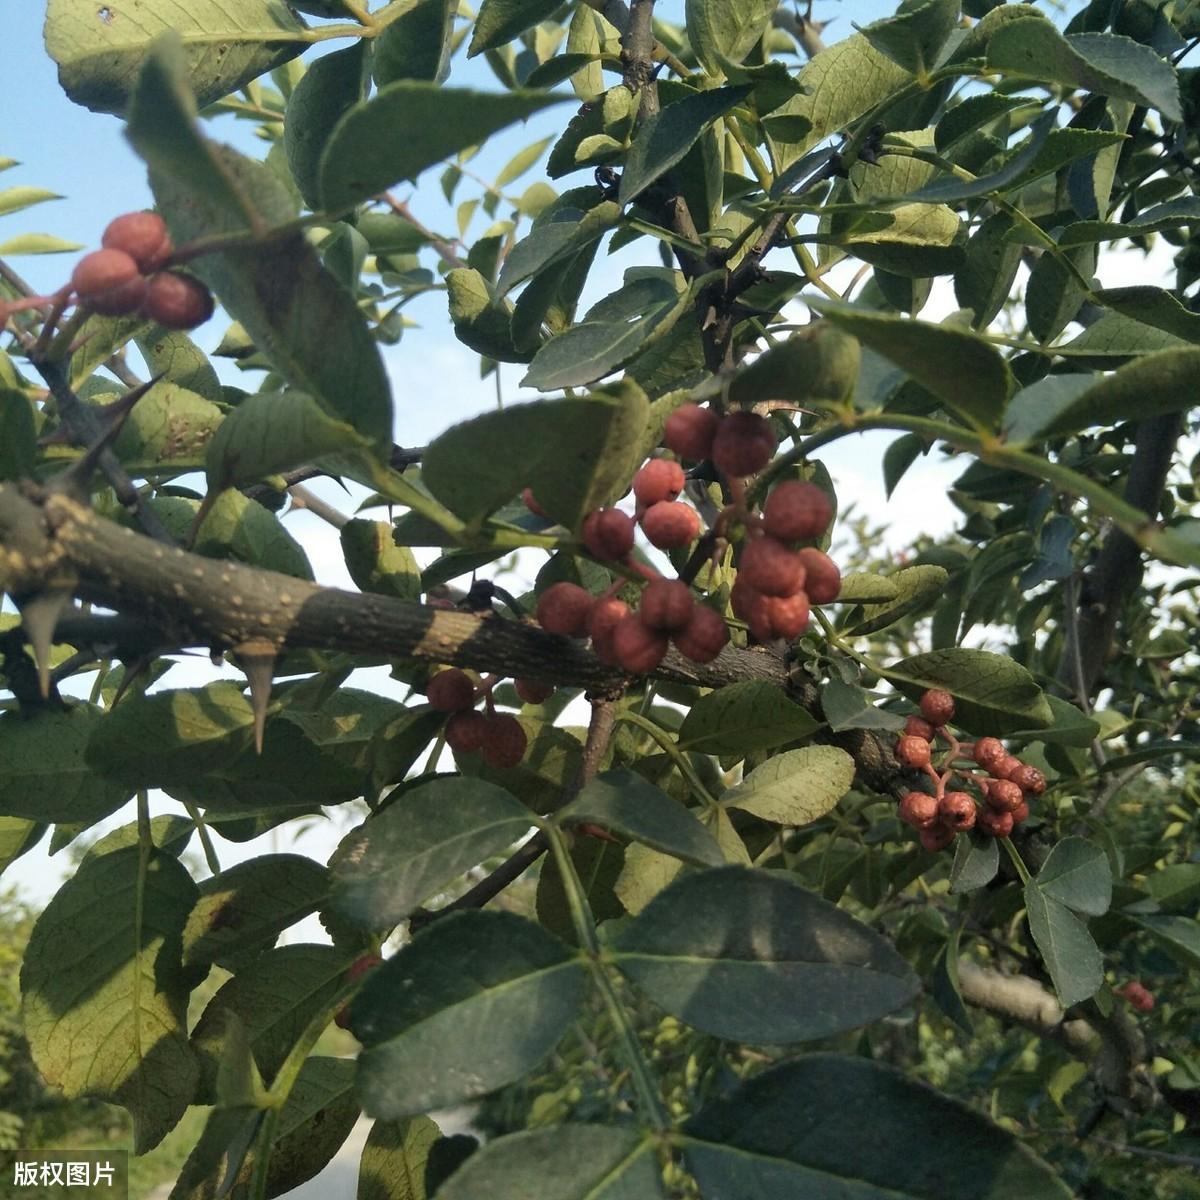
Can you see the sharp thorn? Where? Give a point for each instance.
(257, 661)
(39, 617)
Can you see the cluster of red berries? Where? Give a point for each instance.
(498, 737)
(127, 276)
(1139, 996)
(1005, 786)
(777, 575)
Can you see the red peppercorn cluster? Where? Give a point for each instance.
(127, 276)
(1005, 784)
(635, 640)
(1140, 998)
(498, 737)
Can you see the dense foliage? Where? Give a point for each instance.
(832, 829)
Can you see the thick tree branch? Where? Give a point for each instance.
(167, 599)
(1115, 1047)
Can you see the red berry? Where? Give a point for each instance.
(666, 605)
(822, 579)
(689, 432)
(937, 706)
(705, 635)
(141, 235)
(1004, 796)
(956, 810)
(771, 568)
(1021, 813)
(670, 525)
(995, 824)
(177, 301)
(504, 741)
(743, 444)
(660, 479)
(753, 608)
(533, 691)
(564, 608)
(531, 503)
(913, 751)
(465, 731)
(602, 621)
(608, 534)
(919, 727)
(788, 614)
(451, 691)
(987, 751)
(636, 648)
(797, 512)
(1139, 997)
(109, 283)
(1029, 779)
(919, 809)
(936, 837)
(1005, 767)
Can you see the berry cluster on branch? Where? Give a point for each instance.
(498, 737)
(779, 571)
(999, 792)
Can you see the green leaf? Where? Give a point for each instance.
(419, 843)
(917, 588)
(1171, 215)
(376, 563)
(976, 861)
(664, 138)
(393, 1160)
(914, 39)
(1067, 948)
(16, 837)
(795, 787)
(226, 46)
(37, 243)
(105, 991)
(44, 775)
(752, 956)
(1105, 63)
(993, 694)
(18, 435)
(274, 999)
(315, 1121)
(272, 432)
(1153, 306)
(1151, 385)
(598, 863)
(945, 986)
(500, 21)
(243, 910)
(841, 84)
(416, 44)
(984, 282)
(15, 199)
(601, 344)
(721, 33)
(644, 873)
(240, 528)
(169, 429)
(99, 339)
(1179, 936)
(848, 707)
(568, 1162)
(1115, 335)
(550, 241)
(623, 802)
(746, 716)
(826, 1126)
(1077, 873)
(575, 454)
(863, 588)
(818, 364)
(178, 360)
(448, 1018)
(295, 312)
(407, 127)
(326, 92)
(963, 371)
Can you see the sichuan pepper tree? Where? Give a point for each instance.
(811, 827)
